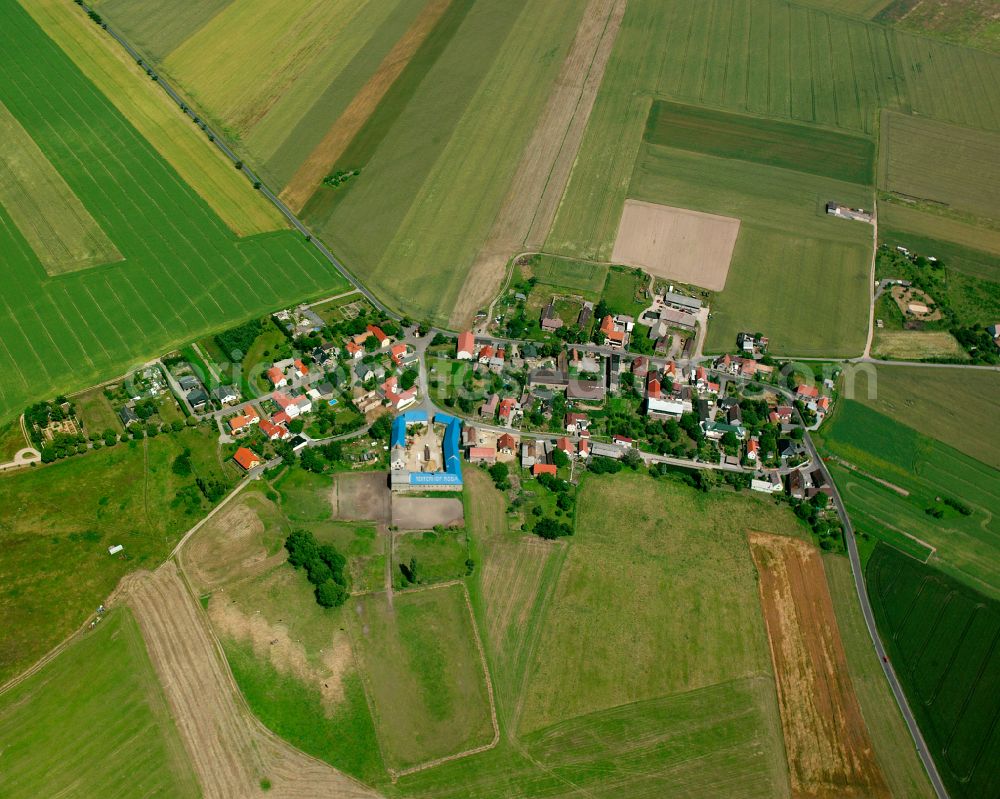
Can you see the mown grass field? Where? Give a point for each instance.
(423, 674)
(630, 591)
(940, 163)
(894, 749)
(814, 150)
(915, 345)
(57, 522)
(941, 636)
(797, 274)
(930, 472)
(969, 22)
(185, 274)
(142, 103)
(575, 276)
(94, 722)
(951, 405)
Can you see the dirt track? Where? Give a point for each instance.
(308, 176)
(230, 750)
(540, 178)
(827, 743)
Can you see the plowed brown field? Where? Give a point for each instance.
(230, 750)
(828, 747)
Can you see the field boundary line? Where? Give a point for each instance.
(396, 774)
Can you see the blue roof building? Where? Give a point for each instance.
(448, 478)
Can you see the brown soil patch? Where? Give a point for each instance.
(677, 244)
(272, 641)
(423, 513)
(228, 548)
(321, 160)
(361, 497)
(540, 178)
(829, 751)
(915, 304)
(230, 750)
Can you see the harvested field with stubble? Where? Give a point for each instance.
(828, 746)
(231, 752)
(676, 243)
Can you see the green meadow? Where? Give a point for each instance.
(184, 274)
(94, 722)
(927, 474)
(941, 635)
(57, 522)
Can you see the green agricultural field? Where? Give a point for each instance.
(797, 274)
(951, 405)
(423, 674)
(182, 144)
(814, 150)
(971, 22)
(672, 568)
(923, 473)
(94, 722)
(57, 522)
(50, 217)
(184, 273)
(12, 440)
(792, 62)
(970, 249)
(155, 28)
(440, 556)
(894, 749)
(414, 223)
(941, 636)
(582, 277)
(940, 163)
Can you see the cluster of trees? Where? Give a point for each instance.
(830, 534)
(38, 416)
(62, 445)
(323, 458)
(340, 177)
(239, 339)
(501, 476)
(550, 528)
(323, 564)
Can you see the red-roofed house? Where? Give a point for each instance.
(466, 346)
(247, 459)
(397, 352)
(575, 422)
(292, 407)
(784, 413)
(583, 448)
(482, 455)
(614, 334)
(380, 336)
(543, 468)
(240, 424)
(653, 388)
(506, 443)
(277, 377)
(301, 368)
(281, 418)
(640, 366)
(565, 445)
(823, 404)
(273, 431)
(753, 447)
(623, 441)
(807, 392)
(508, 407)
(356, 351)
(396, 398)
(485, 353)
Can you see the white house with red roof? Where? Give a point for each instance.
(274, 432)
(277, 377)
(466, 346)
(292, 406)
(380, 336)
(566, 446)
(485, 354)
(753, 448)
(397, 398)
(300, 368)
(576, 422)
(583, 448)
(397, 352)
(507, 410)
(240, 424)
(354, 351)
(614, 332)
(804, 392)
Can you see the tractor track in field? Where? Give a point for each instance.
(231, 751)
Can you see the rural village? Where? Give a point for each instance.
(438, 399)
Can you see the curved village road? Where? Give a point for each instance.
(859, 581)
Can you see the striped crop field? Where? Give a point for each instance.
(184, 273)
(142, 103)
(945, 165)
(155, 28)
